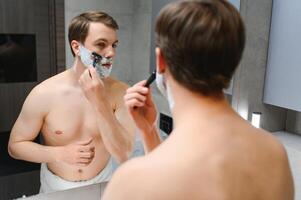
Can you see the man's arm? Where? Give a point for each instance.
(116, 129)
(150, 139)
(26, 129)
(138, 100)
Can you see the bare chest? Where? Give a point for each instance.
(70, 119)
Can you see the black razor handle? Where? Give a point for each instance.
(150, 79)
(96, 58)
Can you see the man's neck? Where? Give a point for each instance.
(190, 106)
(78, 68)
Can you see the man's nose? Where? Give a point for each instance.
(110, 53)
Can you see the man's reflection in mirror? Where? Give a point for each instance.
(79, 112)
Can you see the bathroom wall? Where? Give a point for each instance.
(283, 67)
(32, 17)
(43, 19)
(249, 78)
(293, 122)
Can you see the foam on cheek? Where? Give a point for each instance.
(105, 60)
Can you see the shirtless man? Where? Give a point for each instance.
(81, 116)
(212, 153)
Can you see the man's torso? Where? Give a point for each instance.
(72, 118)
(218, 167)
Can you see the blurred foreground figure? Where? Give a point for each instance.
(212, 153)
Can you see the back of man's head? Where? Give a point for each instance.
(202, 43)
(79, 26)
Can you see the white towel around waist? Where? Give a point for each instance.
(51, 182)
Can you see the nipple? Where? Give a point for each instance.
(80, 170)
(58, 132)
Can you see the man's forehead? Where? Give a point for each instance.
(101, 32)
(101, 39)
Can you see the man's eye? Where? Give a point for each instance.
(115, 45)
(101, 45)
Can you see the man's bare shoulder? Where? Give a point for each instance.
(246, 140)
(56, 79)
(271, 143)
(136, 179)
(150, 177)
(45, 91)
(240, 134)
(276, 153)
(54, 84)
(123, 183)
(273, 159)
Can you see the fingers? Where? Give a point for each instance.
(87, 155)
(93, 73)
(84, 78)
(84, 160)
(134, 103)
(136, 95)
(137, 89)
(90, 80)
(85, 142)
(149, 98)
(86, 75)
(140, 83)
(86, 149)
(83, 163)
(136, 92)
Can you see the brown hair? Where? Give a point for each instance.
(202, 43)
(79, 26)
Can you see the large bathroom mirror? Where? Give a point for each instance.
(42, 27)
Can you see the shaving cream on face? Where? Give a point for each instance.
(101, 68)
(165, 90)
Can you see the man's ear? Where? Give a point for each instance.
(75, 47)
(160, 61)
